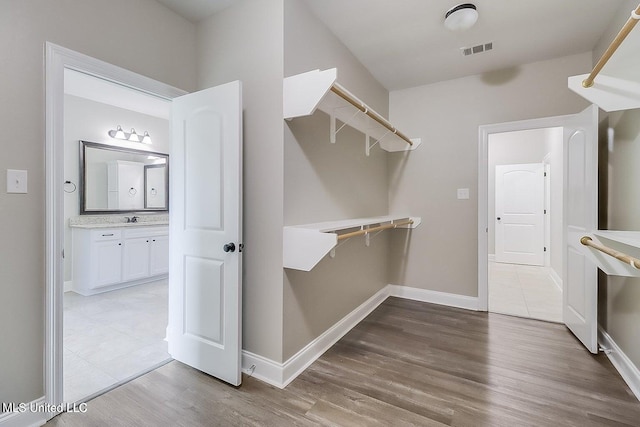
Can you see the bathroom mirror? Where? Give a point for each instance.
(116, 179)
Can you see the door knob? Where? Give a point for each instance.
(229, 247)
(498, 218)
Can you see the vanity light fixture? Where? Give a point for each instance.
(461, 17)
(133, 136)
(146, 139)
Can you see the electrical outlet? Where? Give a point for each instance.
(16, 181)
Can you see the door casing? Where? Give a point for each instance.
(57, 60)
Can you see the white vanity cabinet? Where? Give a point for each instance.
(105, 259)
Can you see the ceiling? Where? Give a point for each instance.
(404, 43)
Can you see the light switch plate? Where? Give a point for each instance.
(463, 193)
(16, 181)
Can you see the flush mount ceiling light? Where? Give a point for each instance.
(133, 136)
(461, 17)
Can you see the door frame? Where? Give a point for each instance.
(483, 190)
(57, 60)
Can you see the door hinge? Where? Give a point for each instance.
(545, 211)
(63, 254)
(545, 174)
(545, 249)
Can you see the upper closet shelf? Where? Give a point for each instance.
(615, 252)
(306, 92)
(619, 88)
(305, 245)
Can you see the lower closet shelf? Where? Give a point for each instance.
(625, 243)
(305, 245)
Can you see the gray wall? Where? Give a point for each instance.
(140, 35)
(244, 42)
(90, 121)
(326, 182)
(442, 254)
(619, 304)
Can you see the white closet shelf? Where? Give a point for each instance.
(319, 90)
(609, 93)
(627, 242)
(305, 245)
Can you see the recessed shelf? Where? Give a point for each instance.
(627, 242)
(305, 245)
(319, 90)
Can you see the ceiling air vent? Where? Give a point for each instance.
(466, 51)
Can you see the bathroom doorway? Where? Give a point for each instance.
(116, 307)
(525, 185)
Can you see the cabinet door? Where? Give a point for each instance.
(108, 263)
(159, 256)
(136, 258)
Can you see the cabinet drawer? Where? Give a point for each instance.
(109, 234)
(135, 233)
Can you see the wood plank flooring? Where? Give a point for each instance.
(406, 364)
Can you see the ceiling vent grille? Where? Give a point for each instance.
(473, 50)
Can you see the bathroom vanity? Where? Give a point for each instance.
(116, 255)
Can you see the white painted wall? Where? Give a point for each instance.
(90, 121)
(442, 253)
(140, 35)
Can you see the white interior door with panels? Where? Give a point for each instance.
(580, 275)
(206, 231)
(519, 200)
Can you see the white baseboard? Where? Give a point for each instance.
(628, 371)
(556, 279)
(281, 374)
(491, 257)
(434, 297)
(27, 418)
(68, 285)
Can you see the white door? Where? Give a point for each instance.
(580, 296)
(206, 231)
(519, 230)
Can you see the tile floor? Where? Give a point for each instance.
(525, 291)
(110, 337)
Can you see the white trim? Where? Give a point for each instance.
(68, 285)
(281, 374)
(57, 60)
(25, 419)
(434, 297)
(483, 191)
(628, 371)
(491, 258)
(556, 279)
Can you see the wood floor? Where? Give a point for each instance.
(408, 363)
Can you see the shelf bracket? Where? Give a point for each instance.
(333, 131)
(378, 141)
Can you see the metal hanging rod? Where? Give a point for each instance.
(347, 96)
(627, 259)
(615, 44)
(373, 229)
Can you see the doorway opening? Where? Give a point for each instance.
(525, 198)
(115, 277)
